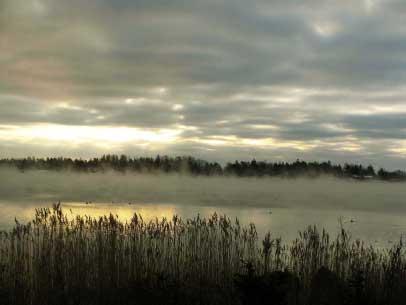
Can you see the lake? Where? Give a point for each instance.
(373, 211)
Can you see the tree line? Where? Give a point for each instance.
(194, 166)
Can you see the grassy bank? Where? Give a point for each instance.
(57, 259)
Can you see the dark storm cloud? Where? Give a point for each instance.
(324, 72)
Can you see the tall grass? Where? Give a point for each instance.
(60, 259)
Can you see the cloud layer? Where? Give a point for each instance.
(226, 79)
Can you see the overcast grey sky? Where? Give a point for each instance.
(217, 79)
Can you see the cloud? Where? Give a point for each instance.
(324, 75)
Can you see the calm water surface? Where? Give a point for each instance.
(376, 228)
(372, 211)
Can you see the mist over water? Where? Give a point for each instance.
(372, 210)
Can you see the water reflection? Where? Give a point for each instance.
(376, 228)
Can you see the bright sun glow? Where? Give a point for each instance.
(80, 134)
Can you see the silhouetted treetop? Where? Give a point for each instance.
(193, 166)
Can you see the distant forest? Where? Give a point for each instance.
(193, 166)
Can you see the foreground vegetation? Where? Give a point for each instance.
(190, 165)
(61, 259)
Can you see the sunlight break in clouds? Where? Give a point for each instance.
(323, 79)
(80, 134)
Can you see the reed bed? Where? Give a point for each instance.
(60, 259)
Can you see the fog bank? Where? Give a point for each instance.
(321, 193)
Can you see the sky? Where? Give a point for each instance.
(216, 79)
